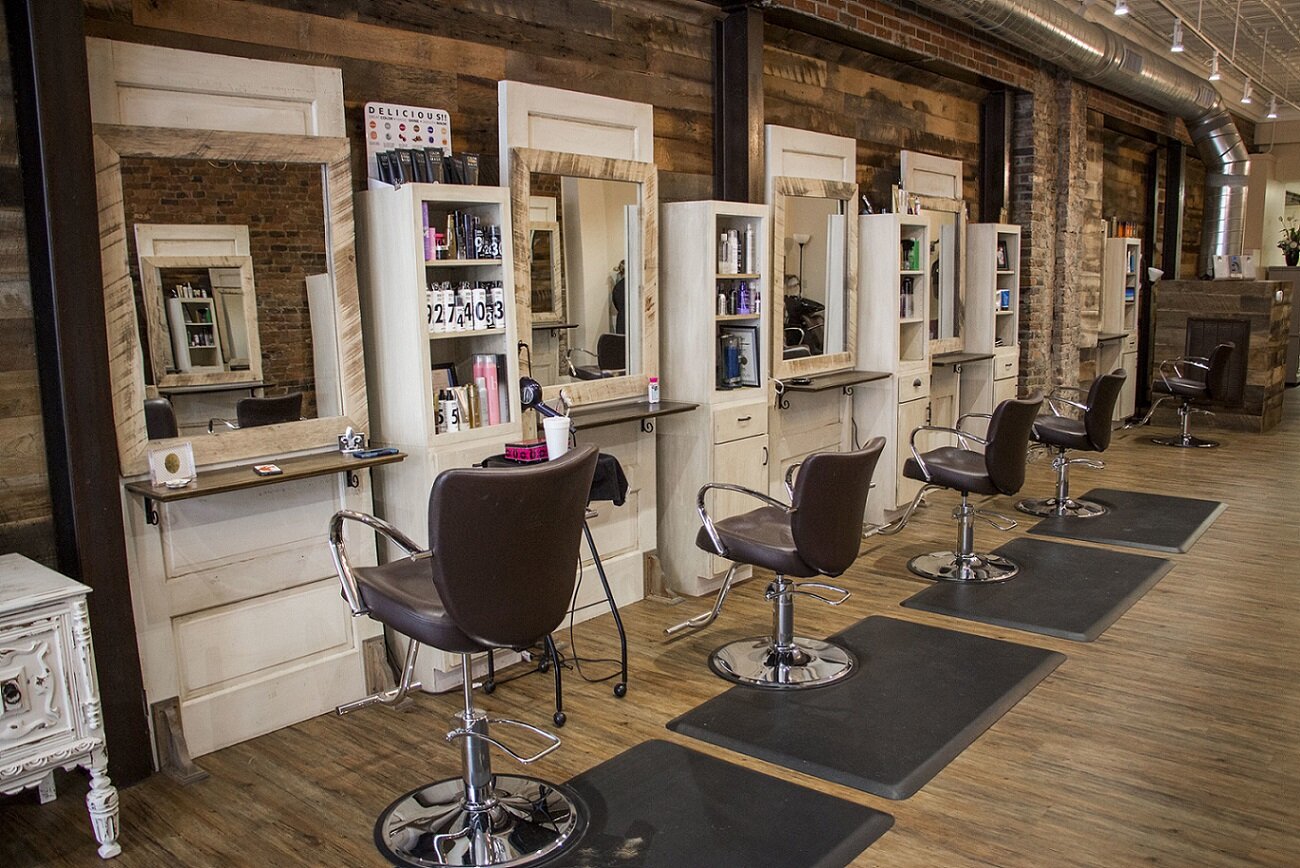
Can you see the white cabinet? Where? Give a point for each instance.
(1121, 289)
(50, 716)
(707, 309)
(893, 337)
(992, 317)
(431, 325)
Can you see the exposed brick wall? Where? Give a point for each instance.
(1033, 207)
(283, 206)
(1087, 280)
(1073, 229)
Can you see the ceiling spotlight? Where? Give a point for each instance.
(1214, 68)
(1272, 108)
(1245, 93)
(1177, 45)
(1121, 7)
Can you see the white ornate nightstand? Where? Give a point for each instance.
(49, 695)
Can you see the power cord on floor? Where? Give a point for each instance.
(578, 660)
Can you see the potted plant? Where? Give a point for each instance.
(1290, 243)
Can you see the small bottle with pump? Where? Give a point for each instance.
(653, 394)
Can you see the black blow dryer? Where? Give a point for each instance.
(530, 394)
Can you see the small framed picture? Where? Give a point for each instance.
(750, 361)
(444, 376)
(173, 466)
(1004, 261)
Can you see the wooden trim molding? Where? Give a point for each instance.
(114, 142)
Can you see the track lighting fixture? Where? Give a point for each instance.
(1272, 108)
(1177, 45)
(1245, 93)
(1214, 68)
(1121, 7)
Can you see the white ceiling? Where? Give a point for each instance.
(1259, 39)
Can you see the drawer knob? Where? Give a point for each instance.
(916, 384)
(11, 694)
(744, 418)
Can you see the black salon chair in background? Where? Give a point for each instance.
(610, 356)
(817, 534)
(499, 573)
(1191, 378)
(255, 412)
(999, 470)
(160, 419)
(1061, 433)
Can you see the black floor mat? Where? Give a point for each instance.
(920, 696)
(1140, 520)
(1074, 592)
(661, 805)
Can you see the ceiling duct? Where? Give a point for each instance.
(1092, 53)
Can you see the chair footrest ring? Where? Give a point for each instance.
(756, 662)
(1050, 507)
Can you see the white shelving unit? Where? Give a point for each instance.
(726, 440)
(893, 337)
(196, 344)
(402, 351)
(1121, 290)
(992, 312)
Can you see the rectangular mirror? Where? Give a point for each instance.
(201, 320)
(947, 267)
(240, 325)
(598, 339)
(814, 251)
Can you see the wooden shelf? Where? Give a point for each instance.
(738, 277)
(911, 320)
(437, 336)
(958, 358)
(460, 263)
(553, 326)
(910, 273)
(242, 477)
(837, 380)
(601, 415)
(732, 317)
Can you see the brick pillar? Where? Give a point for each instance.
(1068, 285)
(1033, 199)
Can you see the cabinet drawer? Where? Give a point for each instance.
(744, 420)
(37, 705)
(1004, 367)
(912, 386)
(1131, 343)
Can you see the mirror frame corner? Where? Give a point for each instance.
(111, 143)
(784, 186)
(523, 163)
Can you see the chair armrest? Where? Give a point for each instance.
(351, 592)
(1053, 400)
(739, 489)
(962, 437)
(789, 479)
(965, 416)
(213, 422)
(1070, 389)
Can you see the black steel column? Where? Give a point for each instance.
(995, 156)
(48, 48)
(738, 106)
(1146, 302)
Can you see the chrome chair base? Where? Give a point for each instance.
(757, 662)
(525, 822)
(1050, 507)
(1185, 441)
(974, 569)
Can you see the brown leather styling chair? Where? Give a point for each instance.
(818, 534)
(160, 419)
(499, 573)
(258, 411)
(1192, 378)
(1000, 470)
(1060, 433)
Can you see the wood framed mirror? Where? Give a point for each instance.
(547, 272)
(947, 271)
(814, 268)
(310, 173)
(609, 233)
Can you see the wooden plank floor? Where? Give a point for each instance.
(1169, 741)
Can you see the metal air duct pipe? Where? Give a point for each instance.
(1092, 53)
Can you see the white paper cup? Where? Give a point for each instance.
(557, 435)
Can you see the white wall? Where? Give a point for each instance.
(594, 239)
